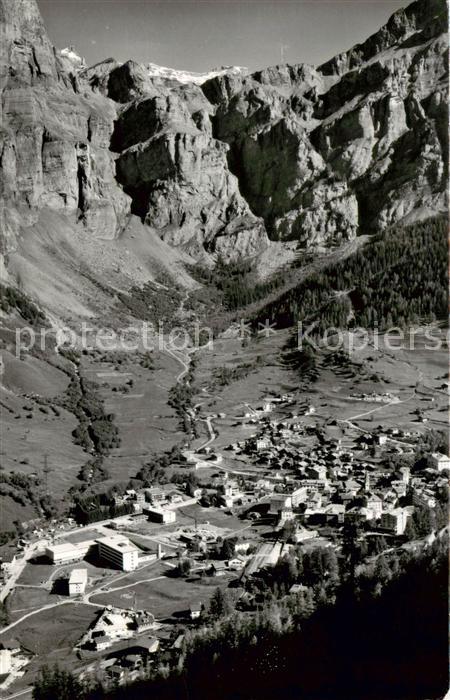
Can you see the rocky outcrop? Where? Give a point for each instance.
(175, 172)
(352, 146)
(54, 143)
(411, 26)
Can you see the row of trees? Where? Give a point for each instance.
(95, 431)
(96, 508)
(155, 470)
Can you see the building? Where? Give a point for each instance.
(68, 552)
(424, 498)
(286, 514)
(8, 559)
(399, 486)
(332, 514)
(143, 621)
(160, 515)
(195, 610)
(218, 568)
(279, 502)
(139, 517)
(236, 564)
(12, 644)
(352, 487)
(318, 472)
(155, 495)
(149, 644)
(263, 444)
(375, 505)
(77, 581)
(440, 461)
(395, 520)
(5, 662)
(116, 672)
(302, 534)
(405, 474)
(264, 485)
(241, 547)
(120, 551)
(298, 496)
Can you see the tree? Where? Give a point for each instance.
(191, 483)
(4, 617)
(382, 571)
(423, 522)
(220, 604)
(286, 570)
(410, 530)
(184, 567)
(272, 618)
(57, 685)
(288, 530)
(330, 565)
(379, 545)
(353, 550)
(227, 549)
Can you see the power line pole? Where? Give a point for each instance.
(47, 470)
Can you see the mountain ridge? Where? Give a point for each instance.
(231, 168)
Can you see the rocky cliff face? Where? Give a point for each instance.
(174, 170)
(352, 146)
(55, 137)
(317, 155)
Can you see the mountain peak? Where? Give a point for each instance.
(76, 61)
(181, 76)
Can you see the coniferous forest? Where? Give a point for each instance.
(398, 278)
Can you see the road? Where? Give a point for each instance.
(105, 588)
(182, 359)
(24, 694)
(19, 566)
(85, 600)
(378, 408)
(35, 612)
(212, 434)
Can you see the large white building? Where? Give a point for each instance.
(5, 661)
(68, 552)
(280, 502)
(299, 495)
(77, 581)
(440, 461)
(395, 520)
(161, 515)
(119, 551)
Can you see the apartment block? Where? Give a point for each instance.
(119, 551)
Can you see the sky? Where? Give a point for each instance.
(199, 35)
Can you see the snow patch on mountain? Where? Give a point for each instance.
(76, 61)
(156, 71)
